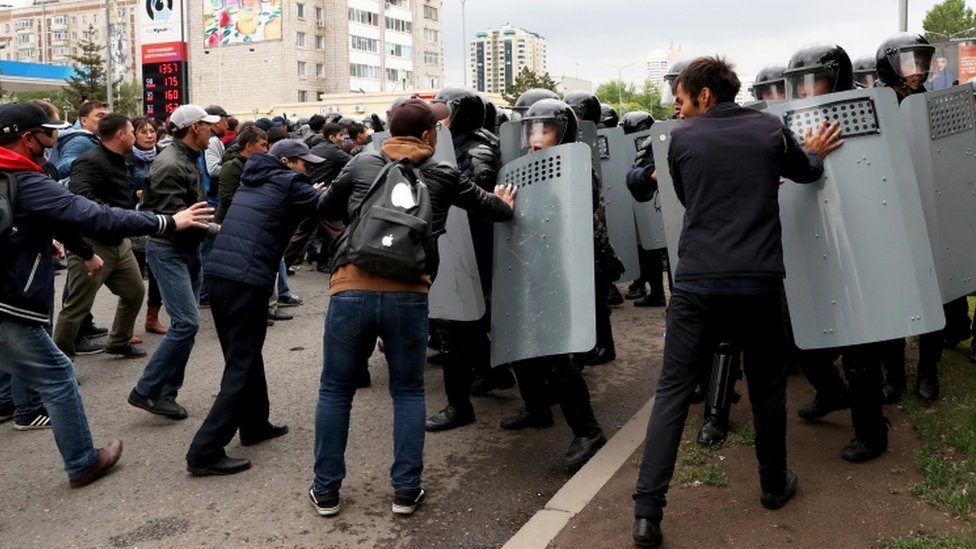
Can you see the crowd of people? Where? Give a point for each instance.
(208, 212)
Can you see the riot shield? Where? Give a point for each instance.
(510, 138)
(647, 215)
(616, 155)
(672, 212)
(942, 135)
(543, 303)
(859, 266)
(377, 140)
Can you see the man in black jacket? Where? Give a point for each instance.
(274, 194)
(101, 174)
(726, 163)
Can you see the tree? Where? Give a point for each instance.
(128, 98)
(949, 19)
(88, 82)
(527, 79)
(646, 98)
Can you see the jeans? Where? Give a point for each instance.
(25, 400)
(353, 321)
(283, 291)
(178, 273)
(28, 353)
(204, 249)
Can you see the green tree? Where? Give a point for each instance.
(128, 98)
(527, 79)
(88, 82)
(627, 97)
(949, 19)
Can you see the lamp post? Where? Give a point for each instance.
(620, 83)
(902, 15)
(464, 50)
(108, 55)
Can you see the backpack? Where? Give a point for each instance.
(8, 195)
(390, 234)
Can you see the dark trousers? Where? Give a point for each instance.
(651, 270)
(695, 327)
(540, 379)
(604, 331)
(930, 345)
(862, 365)
(465, 352)
(240, 315)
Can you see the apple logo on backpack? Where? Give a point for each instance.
(402, 196)
(387, 240)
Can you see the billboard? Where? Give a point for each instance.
(241, 21)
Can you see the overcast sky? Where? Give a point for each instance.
(584, 37)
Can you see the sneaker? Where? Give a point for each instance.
(635, 292)
(6, 412)
(39, 420)
(95, 332)
(164, 407)
(86, 347)
(405, 502)
(126, 351)
(289, 301)
(276, 315)
(326, 503)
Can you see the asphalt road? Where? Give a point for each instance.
(483, 482)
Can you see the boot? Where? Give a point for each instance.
(894, 384)
(152, 321)
(927, 382)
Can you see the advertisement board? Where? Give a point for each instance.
(241, 21)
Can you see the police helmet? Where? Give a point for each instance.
(865, 72)
(548, 115)
(818, 69)
(902, 56)
(608, 116)
(667, 92)
(529, 98)
(585, 104)
(770, 84)
(636, 121)
(491, 115)
(467, 109)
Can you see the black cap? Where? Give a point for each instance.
(216, 110)
(19, 117)
(293, 148)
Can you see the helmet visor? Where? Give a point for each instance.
(538, 134)
(912, 62)
(865, 79)
(809, 84)
(667, 94)
(770, 91)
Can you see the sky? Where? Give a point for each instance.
(584, 38)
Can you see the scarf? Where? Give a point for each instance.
(145, 156)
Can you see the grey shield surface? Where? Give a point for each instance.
(647, 215)
(859, 267)
(942, 134)
(616, 152)
(543, 302)
(510, 137)
(672, 212)
(377, 140)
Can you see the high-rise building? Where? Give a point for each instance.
(657, 66)
(301, 50)
(498, 55)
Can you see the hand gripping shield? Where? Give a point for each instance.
(859, 266)
(942, 134)
(616, 155)
(543, 298)
(647, 215)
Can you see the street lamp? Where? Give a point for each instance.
(620, 82)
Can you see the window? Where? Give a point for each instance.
(432, 58)
(59, 20)
(301, 69)
(302, 96)
(430, 35)
(25, 24)
(398, 50)
(430, 12)
(362, 43)
(25, 38)
(319, 42)
(300, 11)
(25, 54)
(6, 28)
(319, 70)
(395, 75)
(398, 25)
(364, 17)
(358, 70)
(61, 51)
(59, 36)
(300, 39)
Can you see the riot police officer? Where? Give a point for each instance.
(770, 84)
(585, 105)
(865, 72)
(529, 98)
(608, 116)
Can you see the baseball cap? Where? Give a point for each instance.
(264, 123)
(293, 148)
(216, 110)
(185, 115)
(19, 117)
(414, 116)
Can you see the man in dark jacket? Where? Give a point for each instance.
(275, 192)
(41, 208)
(331, 151)
(252, 139)
(101, 174)
(174, 184)
(365, 306)
(726, 163)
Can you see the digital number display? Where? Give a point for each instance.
(164, 88)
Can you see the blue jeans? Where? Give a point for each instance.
(353, 321)
(205, 247)
(178, 274)
(27, 352)
(283, 290)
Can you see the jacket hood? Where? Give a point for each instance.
(10, 160)
(396, 148)
(261, 168)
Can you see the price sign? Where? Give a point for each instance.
(164, 87)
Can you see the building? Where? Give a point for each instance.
(48, 32)
(659, 62)
(498, 55)
(303, 50)
(568, 84)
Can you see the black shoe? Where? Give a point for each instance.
(500, 378)
(525, 419)
(93, 332)
(326, 503)
(276, 315)
(635, 292)
(291, 271)
(927, 387)
(223, 466)
(599, 355)
(891, 394)
(436, 359)
(650, 300)
(582, 449)
(858, 451)
(713, 431)
(448, 419)
(405, 502)
(274, 431)
(647, 532)
(818, 408)
(85, 347)
(615, 298)
(163, 407)
(775, 501)
(290, 301)
(126, 351)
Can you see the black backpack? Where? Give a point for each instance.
(8, 195)
(390, 234)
